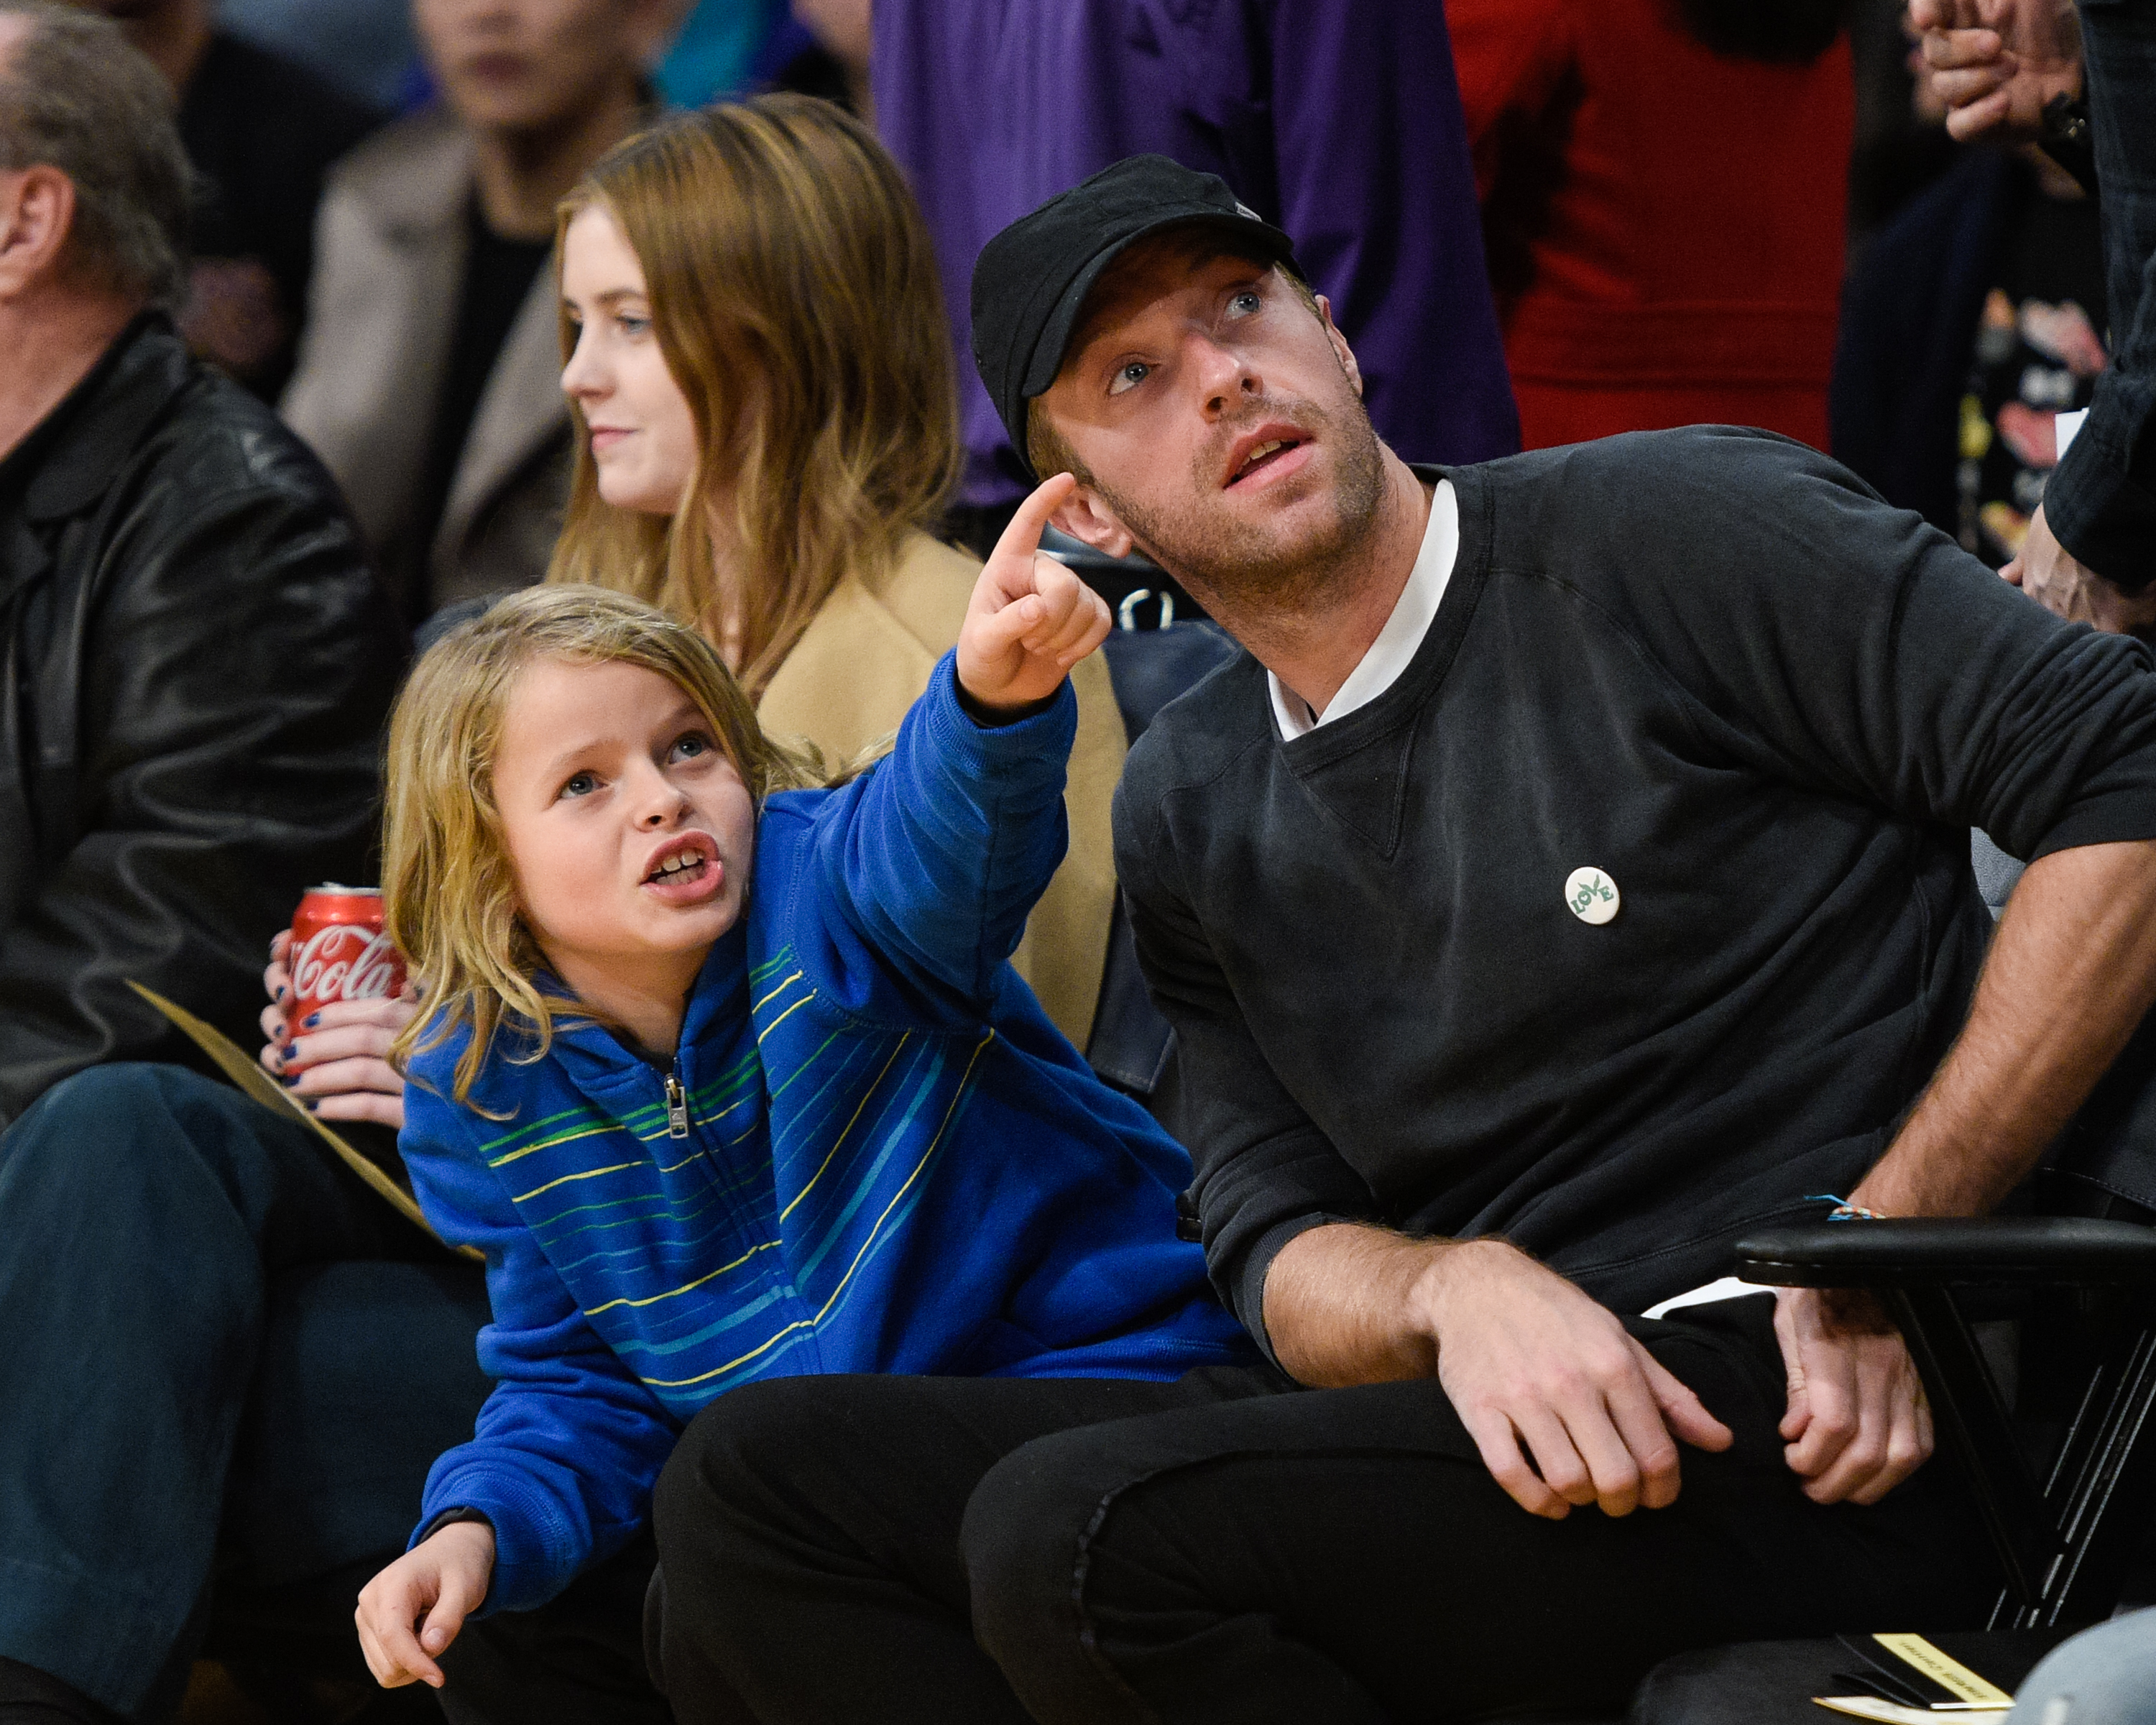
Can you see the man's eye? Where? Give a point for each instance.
(1136, 372)
(1246, 302)
(578, 784)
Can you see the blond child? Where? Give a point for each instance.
(729, 1077)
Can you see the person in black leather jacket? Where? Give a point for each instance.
(221, 1356)
(195, 659)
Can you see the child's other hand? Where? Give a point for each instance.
(1030, 619)
(443, 1578)
(336, 1065)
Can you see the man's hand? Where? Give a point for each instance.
(1525, 1357)
(337, 1063)
(1858, 1424)
(2049, 573)
(1030, 618)
(1995, 64)
(443, 1578)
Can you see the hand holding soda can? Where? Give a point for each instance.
(339, 950)
(338, 997)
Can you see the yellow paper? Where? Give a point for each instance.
(1890, 1712)
(1949, 1674)
(258, 1083)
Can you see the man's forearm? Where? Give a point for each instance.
(2073, 970)
(1341, 1306)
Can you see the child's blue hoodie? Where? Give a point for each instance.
(873, 1153)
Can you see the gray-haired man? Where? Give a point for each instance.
(194, 668)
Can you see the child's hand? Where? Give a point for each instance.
(1030, 619)
(444, 1577)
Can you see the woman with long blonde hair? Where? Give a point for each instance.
(762, 384)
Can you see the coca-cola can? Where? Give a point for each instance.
(339, 951)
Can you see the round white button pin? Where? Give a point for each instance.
(1591, 895)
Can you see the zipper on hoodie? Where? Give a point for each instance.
(677, 1108)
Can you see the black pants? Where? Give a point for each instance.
(1228, 1548)
(579, 1660)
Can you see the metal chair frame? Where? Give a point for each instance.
(2065, 1545)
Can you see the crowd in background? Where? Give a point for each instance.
(1538, 221)
(1668, 228)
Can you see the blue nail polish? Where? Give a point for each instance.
(291, 1078)
(310, 1021)
(308, 1103)
(288, 1052)
(279, 995)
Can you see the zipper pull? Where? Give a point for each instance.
(677, 1108)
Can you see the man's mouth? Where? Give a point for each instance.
(1260, 456)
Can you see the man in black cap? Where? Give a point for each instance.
(1573, 876)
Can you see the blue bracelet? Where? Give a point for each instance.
(1843, 1211)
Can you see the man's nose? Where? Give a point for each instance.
(1226, 376)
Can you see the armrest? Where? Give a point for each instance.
(1934, 1252)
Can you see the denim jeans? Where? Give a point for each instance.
(220, 1355)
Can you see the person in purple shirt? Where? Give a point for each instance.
(1339, 123)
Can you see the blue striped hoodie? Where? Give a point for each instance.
(873, 1153)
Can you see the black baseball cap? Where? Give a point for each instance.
(1032, 279)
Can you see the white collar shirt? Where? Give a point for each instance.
(1387, 656)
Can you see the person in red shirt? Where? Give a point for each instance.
(1664, 187)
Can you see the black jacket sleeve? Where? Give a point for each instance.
(1265, 1172)
(2101, 503)
(235, 670)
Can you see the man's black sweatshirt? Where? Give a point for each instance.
(1712, 665)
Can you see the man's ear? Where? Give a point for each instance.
(1340, 348)
(1086, 518)
(37, 214)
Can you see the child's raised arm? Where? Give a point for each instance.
(933, 861)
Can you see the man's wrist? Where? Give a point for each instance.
(1447, 1262)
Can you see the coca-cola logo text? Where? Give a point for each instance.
(327, 968)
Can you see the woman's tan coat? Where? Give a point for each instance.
(866, 657)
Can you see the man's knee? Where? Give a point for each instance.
(744, 1459)
(104, 1129)
(156, 1153)
(1027, 1540)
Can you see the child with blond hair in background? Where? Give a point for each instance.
(728, 1075)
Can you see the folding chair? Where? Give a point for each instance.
(2064, 1474)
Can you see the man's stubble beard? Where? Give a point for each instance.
(1236, 564)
